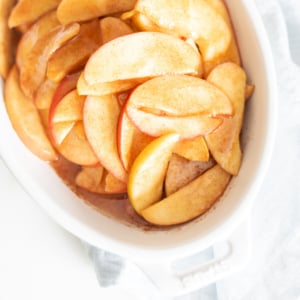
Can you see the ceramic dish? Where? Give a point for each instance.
(41, 182)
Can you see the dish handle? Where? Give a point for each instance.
(230, 256)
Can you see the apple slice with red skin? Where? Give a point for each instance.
(77, 10)
(66, 129)
(99, 89)
(26, 11)
(191, 201)
(64, 114)
(60, 131)
(45, 94)
(25, 119)
(147, 174)
(68, 84)
(65, 124)
(69, 108)
(75, 53)
(100, 117)
(33, 69)
(131, 141)
(154, 54)
(184, 104)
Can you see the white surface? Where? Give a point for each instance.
(39, 260)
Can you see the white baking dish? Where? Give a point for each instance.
(41, 182)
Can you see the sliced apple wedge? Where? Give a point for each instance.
(64, 114)
(180, 96)
(181, 171)
(77, 10)
(190, 19)
(112, 28)
(131, 141)
(113, 185)
(193, 149)
(146, 176)
(90, 179)
(70, 108)
(6, 38)
(232, 53)
(187, 127)
(68, 84)
(76, 148)
(100, 119)
(224, 143)
(99, 89)
(191, 201)
(99, 180)
(142, 22)
(33, 69)
(154, 54)
(59, 131)
(75, 53)
(25, 119)
(37, 31)
(45, 94)
(177, 103)
(27, 11)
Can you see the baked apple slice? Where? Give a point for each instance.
(36, 32)
(131, 141)
(90, 179)
(142, 55)
(99, 89)
(146, 176)
(232, 53)
(45, 93)
(33, 68)
(184, 104)
(76, 148)
(64, 114)
(181, 171)
(112, 28)
(6, 38)
(75, 53)
(25, 119)
(193, 149)
(191, 201)
(100, 119)
(224, 143)
(70, 11)
(189, 19)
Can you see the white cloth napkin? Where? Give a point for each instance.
(274, 268)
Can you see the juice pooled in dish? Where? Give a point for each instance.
(137, 105)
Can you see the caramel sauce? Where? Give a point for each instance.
(114, 206)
